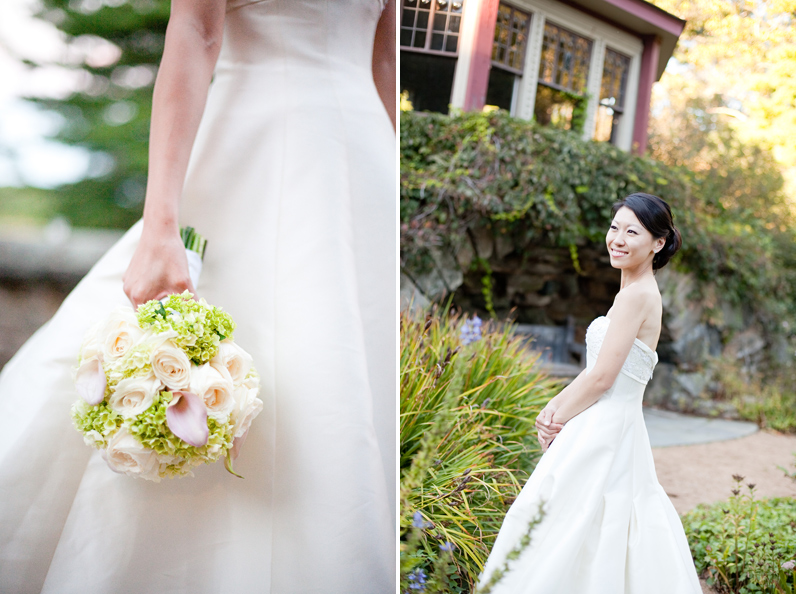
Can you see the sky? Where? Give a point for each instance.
(27, 156)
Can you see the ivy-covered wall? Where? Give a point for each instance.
(469, 176)
(511, 217)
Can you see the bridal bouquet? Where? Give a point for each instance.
(165, 388)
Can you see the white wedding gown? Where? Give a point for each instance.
(292, 181)
(609, 527)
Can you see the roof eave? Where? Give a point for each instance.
(643, 19)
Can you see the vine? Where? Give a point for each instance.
(486, 285)
(543, 186)
(573, 254)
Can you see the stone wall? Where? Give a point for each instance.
(540, 285)
(696, 338)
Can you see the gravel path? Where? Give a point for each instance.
(702, 473)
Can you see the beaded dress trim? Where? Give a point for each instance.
(640, 361)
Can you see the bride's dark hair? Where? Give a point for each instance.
(656, 217)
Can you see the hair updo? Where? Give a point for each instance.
(656, 217)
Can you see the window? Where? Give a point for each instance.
(508, 56)
(612, 95)
(511, 37)
(431, 25)
(427, 80)
(565, 60)
(563, 73)
(429, 44)
(559, 109)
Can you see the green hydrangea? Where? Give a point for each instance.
(150, 428)
(99, 418)
(135, 362)
(200, 327)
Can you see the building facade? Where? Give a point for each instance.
(587, 65)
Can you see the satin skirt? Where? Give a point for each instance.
(292, 181)
(608, 525)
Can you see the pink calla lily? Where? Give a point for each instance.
(186, 416)
(237, 444)
(90, 382)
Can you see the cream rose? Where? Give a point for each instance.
(247, 406)
(119, 333)
(171, 366)
(253, 381)
(237, 361)
(126, 455)
(93, 439)
(134, 395)
(214, 386)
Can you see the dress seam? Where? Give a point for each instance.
(288, 113)
(346, 146)
(348, 176)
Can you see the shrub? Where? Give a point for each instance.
(539, 186)
(742, 544)
(766, 398)
(467, 443)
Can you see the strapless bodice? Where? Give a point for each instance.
(640, 361)
(290, 34)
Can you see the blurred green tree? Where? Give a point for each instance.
(736, 177)
(118, 44)
(743, 53)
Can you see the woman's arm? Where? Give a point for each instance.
(193, 41)
(630, 311)
(384, 60)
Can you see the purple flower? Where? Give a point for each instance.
(471, 330)
(417, 580)
(447, 547)
(419, 522)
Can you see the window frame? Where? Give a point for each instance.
(430, 31)
(540, 81)
(527, 31)
(617, 107)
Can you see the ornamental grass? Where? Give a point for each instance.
(470, 394)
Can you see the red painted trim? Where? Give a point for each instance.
(651, 14)
(599, 17)
(648, 75)
(481, 59)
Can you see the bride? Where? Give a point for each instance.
(608, 526)
(287, 167)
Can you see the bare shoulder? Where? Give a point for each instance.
(643, 296)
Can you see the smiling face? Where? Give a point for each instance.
(629, 243)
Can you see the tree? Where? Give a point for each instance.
(736, 177)
(740, 56)
(121, 43)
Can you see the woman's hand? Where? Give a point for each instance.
(546, 429)
(159, 268)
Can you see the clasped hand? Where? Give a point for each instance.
(159, 268)
(546, 429)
